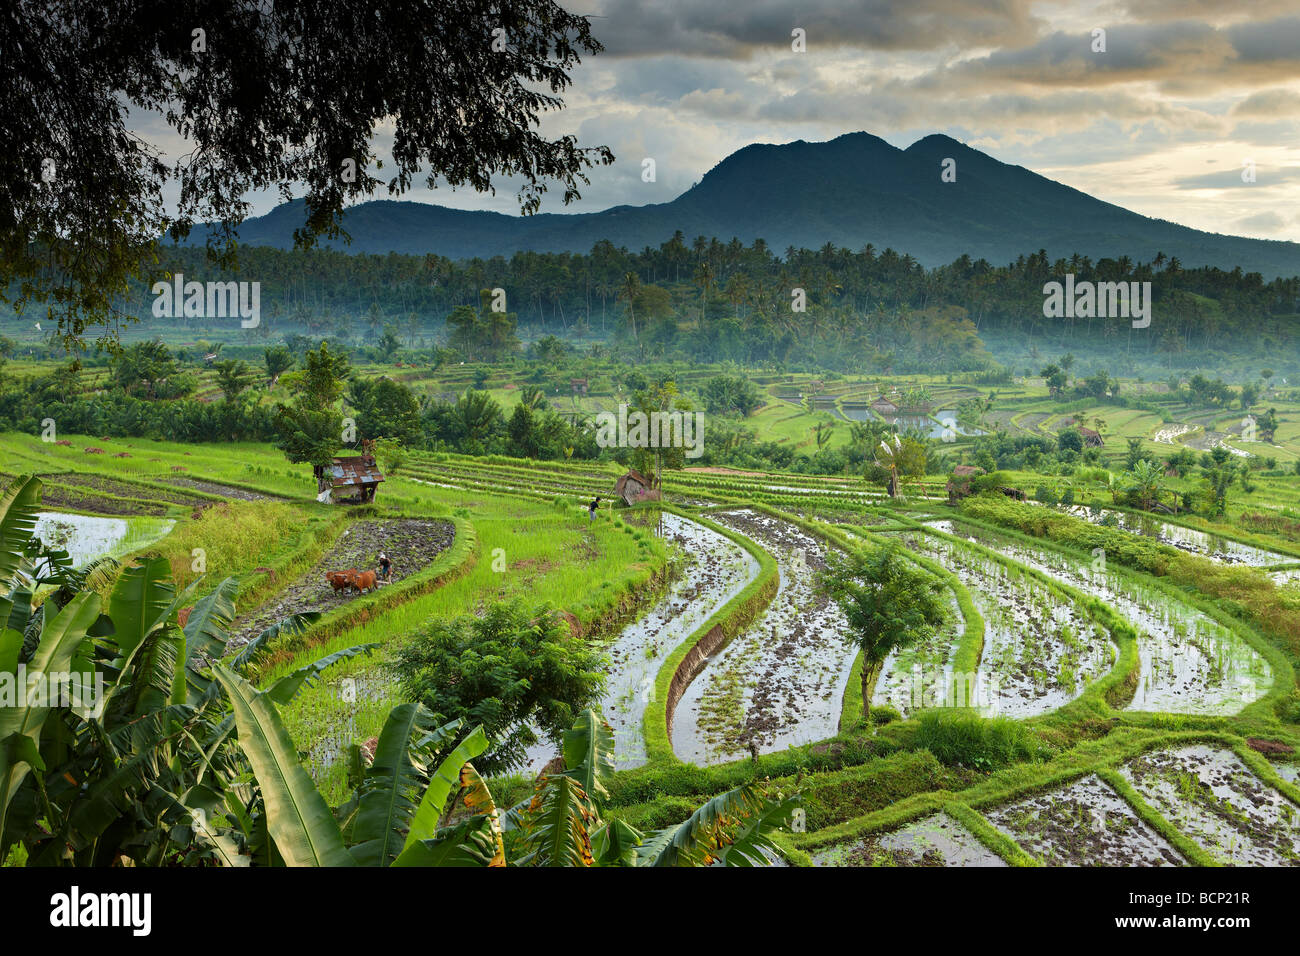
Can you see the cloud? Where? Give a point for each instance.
(1210, 11)
(1283, 103)
(736, 30)
(1231, 178)
(1264, 222)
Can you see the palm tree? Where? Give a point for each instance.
(630, 288)
(889, 456)
(704, 279)
(477, 413)
(737, 290)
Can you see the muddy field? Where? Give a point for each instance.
(1212, 796)
(938, 840)
(412, 544)
(225, 491)
(120, 489)
(781, 681)
(1084, 824)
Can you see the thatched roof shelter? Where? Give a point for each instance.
(633, 488)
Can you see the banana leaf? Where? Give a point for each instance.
(424, 823)
(59, 640)
(297, 816)
(393, 783)
(731, 830)
(19, 505)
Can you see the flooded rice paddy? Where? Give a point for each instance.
(1190, 664)
(781, 681)
(1040, 652)
(937, 840)
(87, 537)
(1211, 795)
(1084, 824)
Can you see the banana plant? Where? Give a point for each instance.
(562, 826)
(152, 755)
(420, 802)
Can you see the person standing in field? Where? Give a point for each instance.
(591, 509)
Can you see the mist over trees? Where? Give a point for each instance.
(706, 300)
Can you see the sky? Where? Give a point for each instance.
(1161, 121)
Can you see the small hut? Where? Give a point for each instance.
(579, 386)
(348, 480)
(1091, 439)
(884, 407)
(634, 487)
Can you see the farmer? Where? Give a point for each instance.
(385, 566)
(591, 509)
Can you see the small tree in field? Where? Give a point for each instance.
(888, 602)
(513, 670)
(311, 428)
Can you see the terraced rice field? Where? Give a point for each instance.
(1084, 824)
(715, 570)
(781, 681)
(777, 689)
(1191, 540)
(1202, 792)
(1190, 663)
(1209, 794)
(1040, 652)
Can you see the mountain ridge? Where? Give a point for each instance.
(850, 191)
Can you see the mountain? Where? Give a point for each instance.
(850, 191)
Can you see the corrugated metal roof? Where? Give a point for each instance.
(353, 471)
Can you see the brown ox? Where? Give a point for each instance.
(365, 581)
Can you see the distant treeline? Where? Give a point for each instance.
(712, 301)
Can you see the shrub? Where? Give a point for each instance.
(963, 737)
(884, 714)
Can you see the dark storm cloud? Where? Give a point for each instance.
(735, 30)
(1270, 41)
(669, 78)
(1180, 55)
(1214, 11)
